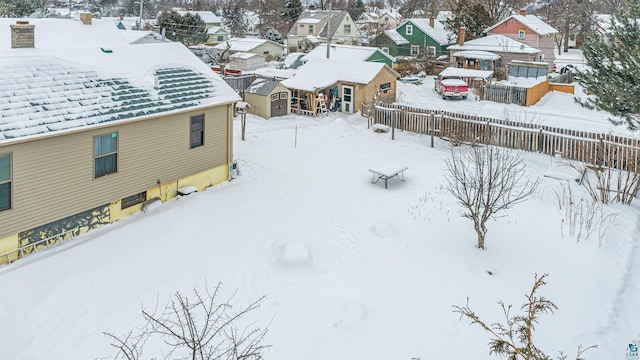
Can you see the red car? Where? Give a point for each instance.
(449, 86)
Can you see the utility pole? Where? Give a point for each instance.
(329, 32)
(141, 3)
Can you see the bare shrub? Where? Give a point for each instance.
(582, 216)
(486, 181)
(197, 328)
(513, 339)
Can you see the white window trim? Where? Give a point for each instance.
(408, 29)
(521, 34)
(417, 48)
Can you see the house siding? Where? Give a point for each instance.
(544, 43)
(354, 38)
(53, 177)
(379, 57)
(421, 39)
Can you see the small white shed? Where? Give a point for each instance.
(246, 61)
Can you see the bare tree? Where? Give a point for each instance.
(502, 9)
(198, 329)
(514, 338)
(486, 181)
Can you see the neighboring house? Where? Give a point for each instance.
(268, 98)
(264, 47)
(344, 53)
(389, 19)
(252, 22)
(143, 37)
(216, 35)
(312, 28)
(529, 30)
(354, 83)
(391, 42)
(101, 131)
(246, 61)
(427, 36)
(472, 54)
(210, 19)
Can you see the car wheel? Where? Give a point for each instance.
(464, 98)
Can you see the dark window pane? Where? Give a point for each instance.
(106, 144)
(5, 167)
(106, 165)
(197, 130)
(196, 138)
(5, 196)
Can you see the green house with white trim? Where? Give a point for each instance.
(391, 42)
(349, 53)
(426, 36)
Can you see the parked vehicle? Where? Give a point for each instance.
(449, 86)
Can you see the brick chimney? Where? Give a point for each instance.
(431, 21)
(461, 36)
(523, 12)
(22, 35)
(121, 17)
(85, 17)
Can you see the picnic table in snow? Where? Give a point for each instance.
(386, 172)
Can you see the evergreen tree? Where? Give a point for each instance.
(614, 68)
(471, 15)
(19, 8)
(292, 10)
(233, 21)
(188, 29)
(355, 8)
(274, 35)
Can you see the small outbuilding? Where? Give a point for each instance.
(246, 61)
(268, 98)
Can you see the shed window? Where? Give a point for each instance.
(283, 95)
(385, 86)
(197, 131)
(129, 201)
(409, 29)
(5, 182)
(274, 97)
(220, 38)
(105, 154)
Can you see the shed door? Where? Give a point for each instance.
(347, 99)
(279, 104)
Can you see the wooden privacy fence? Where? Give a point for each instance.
(588, 147)
(510, 94)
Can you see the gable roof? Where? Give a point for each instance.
(317, 16)
(48, 90)
(496, 43)
(532, 22)
(142, 37)
(245, 44)
(437, 32)
(395, 36)
(344, 53)
(320, 74)
(262, 87)
(244, 55)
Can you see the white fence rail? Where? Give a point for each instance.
(25, 250)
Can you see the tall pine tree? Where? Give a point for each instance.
(470, 14)
(292, 10)
(19, 8)
(188, 29)
(233, 20)
(614, 68)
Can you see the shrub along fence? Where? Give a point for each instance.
(592, 148)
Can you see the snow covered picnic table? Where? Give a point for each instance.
(387, 172)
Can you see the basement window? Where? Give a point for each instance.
(132, 200)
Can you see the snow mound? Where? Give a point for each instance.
(296, 254)
(350, 314)
(384, 229)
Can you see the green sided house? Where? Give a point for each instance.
(96, 134)
(426, 36)
(391, 42)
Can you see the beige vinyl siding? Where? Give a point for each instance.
(53, 177)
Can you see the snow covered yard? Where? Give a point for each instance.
(350, 270)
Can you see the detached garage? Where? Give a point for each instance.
(268, 98)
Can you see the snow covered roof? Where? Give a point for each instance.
(395, 36)
(437, 32)
(476, 54)
(262, 87)
(344, 53)
(467, 73)
(49, 90)
(216, 29)
(142, 37)
(244, 44)
(268, 72)
(317, 16)
(323, 73)
(496, 43)
(532, 22)
(66, 33)
(207, 16)
(243, 55)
